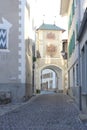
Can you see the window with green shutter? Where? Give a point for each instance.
(73, 8)
(76, 29)
(71, 45)
(69, 23)
(72, 12)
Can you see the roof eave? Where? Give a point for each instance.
(64, 7)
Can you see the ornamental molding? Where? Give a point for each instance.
(5, 24)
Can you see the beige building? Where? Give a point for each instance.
(15, 49)
(48, 53)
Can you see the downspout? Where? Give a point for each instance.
(79, 64)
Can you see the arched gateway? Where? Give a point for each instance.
(58, 77)
(48, 48)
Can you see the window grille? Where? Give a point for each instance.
(3, 39)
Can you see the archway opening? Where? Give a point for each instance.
(48, 80)
(51, 79)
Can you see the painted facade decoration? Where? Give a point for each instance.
(51, 50)
(51, 35)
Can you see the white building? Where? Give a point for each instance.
(82, 41)
(69, 8)
(77, 52)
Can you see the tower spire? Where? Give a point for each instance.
(54, 20)
(43, 18)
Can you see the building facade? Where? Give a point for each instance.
(48, 48)
(15, 49)
(77, 68)
(82, 41)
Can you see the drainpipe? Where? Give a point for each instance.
(79, 64)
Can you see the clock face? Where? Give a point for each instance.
(51, 50)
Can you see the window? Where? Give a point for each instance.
(73, 8)
(64, 46)
(75, 3)
(72, 12)
(3, 39)
(71, 44)
(4, 32)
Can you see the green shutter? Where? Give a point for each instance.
(71, 44)
(73, 9)
(69, 23)
(71, 16)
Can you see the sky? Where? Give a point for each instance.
(48, 10)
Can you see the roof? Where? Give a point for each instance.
(50, 27)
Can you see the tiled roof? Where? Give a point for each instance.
(50, 27)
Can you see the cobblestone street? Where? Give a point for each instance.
(44, 112)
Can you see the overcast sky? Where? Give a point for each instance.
(47, 10)
(51, 11)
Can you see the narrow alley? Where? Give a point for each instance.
(43, 62)
(44, 112)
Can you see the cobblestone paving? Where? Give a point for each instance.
(45, 112)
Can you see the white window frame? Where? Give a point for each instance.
(6, 39)
(5, 25)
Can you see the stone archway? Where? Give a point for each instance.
(59, 76)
